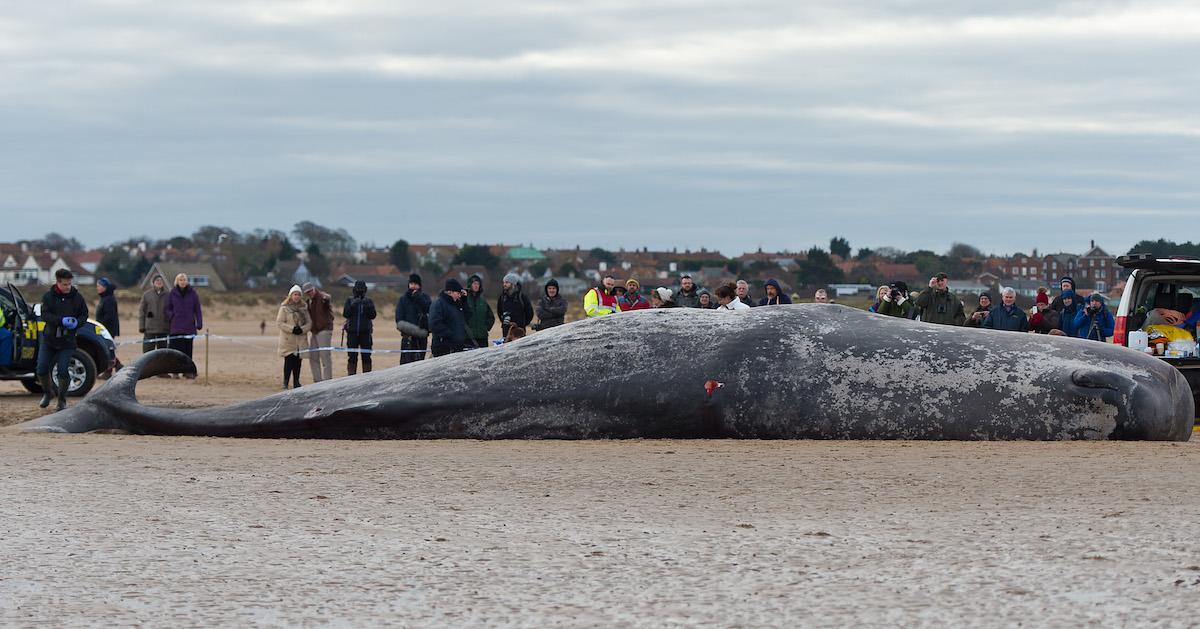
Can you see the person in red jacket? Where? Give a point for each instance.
(633, 299)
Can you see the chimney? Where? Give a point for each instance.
(1093, 244)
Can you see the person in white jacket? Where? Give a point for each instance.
(728, 300)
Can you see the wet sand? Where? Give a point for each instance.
(127, 530)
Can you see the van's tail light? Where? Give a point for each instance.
(1119, 331)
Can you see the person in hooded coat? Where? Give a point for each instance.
(294, 322)
(775, 295)
(1094, 322)
(706, 301)
(1066, 284)
(359, 313)
(480, 317)
(447, 322)
(551, 308)
(1071, 306)
(106, 315)
(982, 310)
(413, 308)
(513, 308)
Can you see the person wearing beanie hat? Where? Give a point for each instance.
(1071, 306)
(447, 322)
(359, 313)
(982, 310)
(1067, 283)
(294, 323)
(320, 311)
(480, 317)
(706, 300)
(106, 315)
(513, 308)
(663, 297)
(632, 299)
(152, 317)
(551, 308)
(895, 302)
(1094, 322)
(412, 319)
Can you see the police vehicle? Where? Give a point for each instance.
(95, 351)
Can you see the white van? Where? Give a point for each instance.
(1157, 285)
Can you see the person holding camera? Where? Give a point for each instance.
(359, 313)
(412, 319)
(939, 305)
(982, 310)
(1094, 322)
(480, 317)
(294, 323)
(63, 311)
(447, 322)
(514, 308)
(551, 308)
(1007, 316)
(895, 302)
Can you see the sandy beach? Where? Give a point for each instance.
(125, 530)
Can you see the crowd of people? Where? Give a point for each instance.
(460, 318)
(1066, 315)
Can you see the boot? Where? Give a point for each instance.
(62, 394)
(351, 369)
(47, 389)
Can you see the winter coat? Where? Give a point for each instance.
(551, 311)
(515, 306)
(1009, 318)
(359, 313)
(106, 313)
(893, 309)
(780, 296)
(1066, 321)
(734, 304)
(633, 302)
(183, 311)
(1044, 321)
(1097, 327)
(940, 306)
(55, 306)
(447, 323)
(292, 315)
(320, 310)
(480, 317)
(972, 322)
(152, 312)
(598, 302)
(413, 307)
(688, 299)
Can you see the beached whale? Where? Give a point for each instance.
(780, 372)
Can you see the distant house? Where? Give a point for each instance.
(40, 269)
(847, 290)
(200, 275)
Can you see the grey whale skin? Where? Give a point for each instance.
(788, 372)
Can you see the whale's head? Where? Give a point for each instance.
(1151, 403)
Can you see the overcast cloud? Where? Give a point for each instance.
(731, 125)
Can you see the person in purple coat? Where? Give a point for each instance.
(183, 313)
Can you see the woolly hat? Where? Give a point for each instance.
(453, 284)
(1069, 294)
(1067, 278)
(415, 279)
(106, 283)
(360, 286)
(1042, 298)
(634, 282)
(295, 289)
(988, 295)
(307, 287)
(512, 278)
(664, 294)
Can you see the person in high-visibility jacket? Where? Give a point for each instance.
(601, 300)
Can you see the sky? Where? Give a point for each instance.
(683, 123)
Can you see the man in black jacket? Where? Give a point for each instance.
(106, 315)
(63, 310)
(447, 323)
(413, 309)
(359, 313)
(551, 308)
(513, 308)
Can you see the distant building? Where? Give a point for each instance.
(24, 269)
(200, 275)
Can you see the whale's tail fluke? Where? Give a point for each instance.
(104, 408)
